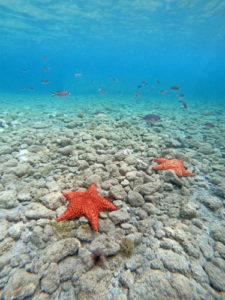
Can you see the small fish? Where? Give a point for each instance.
(163, 92)
(206, 113)
(181, 95)
(140, 86)
(102, 91)
(31, 89)
(151, 118)
(76, 75)
(46, 68)
(60, 94)
(137, 95)
(184, 104)
(209, 125)
(157, 81)
(144, 82)
(24, 70)
(45, 81)
(45, 58)
(115, 79)
(175, 88)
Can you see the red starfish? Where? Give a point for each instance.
(172, 164)
(88, 204)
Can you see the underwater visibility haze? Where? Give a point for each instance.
(112, 149)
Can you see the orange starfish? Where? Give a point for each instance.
(172, 164)
(88, 204)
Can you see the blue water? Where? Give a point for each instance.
(118, 60)
(176, 42)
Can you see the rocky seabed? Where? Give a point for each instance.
(165, 241)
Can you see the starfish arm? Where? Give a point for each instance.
(92, 190)
(69, 196)
(92, 215)
(160, 160)
(104, 204)
(65, 216)
(158, 167)
(70, 213)
(178, 171)
(187, 173)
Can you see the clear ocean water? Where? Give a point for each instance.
(91, 91)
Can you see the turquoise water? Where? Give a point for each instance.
(133, 80)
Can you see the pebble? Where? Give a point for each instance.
(149, 188)
(135, 199)
(57, 251)
(119, 216)
(217, 232)
(15, 230)
(23, 169)
(211, 202)
(188, 211)
(126, 279)
(170, 176)
(117, 192)
(173, 261)
(8, 199)
(216, 276)
(50, 279)
(4, 229)
(67, 150)
(153, 283)
(21, 285)
(24, 195)
(52, 200)
(36, 211)
(108, 244)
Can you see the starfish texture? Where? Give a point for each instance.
(172, 164)
(88, 204)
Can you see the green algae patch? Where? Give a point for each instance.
(46, 170)
(63, 228)
(127, 247)
(85, 228)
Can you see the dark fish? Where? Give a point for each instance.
(181, 95)
(60, 94)
(24, 70)
(45, 57)
(163, 92)
(151, 118)
(157, 81)
(144, 82)
(209, 125)
(76, 75)
(114, 78)
(184, 104)
(137, 95)
(31, 89)
(97, 112)
(45, 81)
(102, 91)
(139, 86)
(46, 68)
(175, 88)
